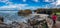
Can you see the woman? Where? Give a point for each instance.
(54, 17)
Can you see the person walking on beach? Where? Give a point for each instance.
(54, 18)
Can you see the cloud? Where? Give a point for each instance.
(7, 2)
(32, 7)
(24, 0)
(36, 0)
(46, 6)
(52, 4)
(19, 7)
(55, 4)
(46, 0)
(12, 7)
(3, 0)
(49, 0)
(58, 2)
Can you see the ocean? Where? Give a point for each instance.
(10, 16)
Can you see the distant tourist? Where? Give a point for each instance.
(54, 18)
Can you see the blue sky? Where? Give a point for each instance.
(27, 4)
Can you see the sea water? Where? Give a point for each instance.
(10, 16)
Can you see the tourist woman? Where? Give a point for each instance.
(54, 18)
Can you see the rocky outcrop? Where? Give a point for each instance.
(24, 12)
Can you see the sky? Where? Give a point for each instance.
(28, 4)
